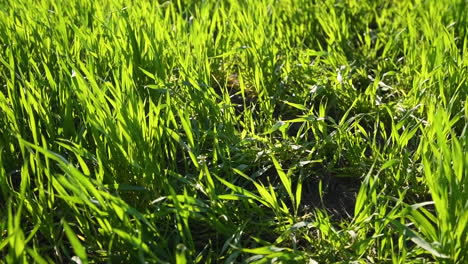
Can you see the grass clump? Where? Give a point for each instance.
(233, 131)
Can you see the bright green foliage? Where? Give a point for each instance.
(266, 131)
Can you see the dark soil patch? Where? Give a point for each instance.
(339, 197)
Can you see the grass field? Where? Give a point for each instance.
(248, 131)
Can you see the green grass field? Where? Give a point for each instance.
(223, 131)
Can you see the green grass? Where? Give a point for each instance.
(270, 131)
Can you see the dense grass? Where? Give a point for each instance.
(272, 131)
